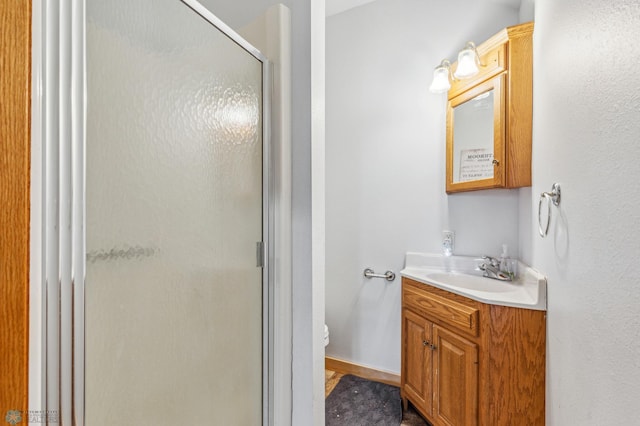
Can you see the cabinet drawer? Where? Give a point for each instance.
(439, 308)
(493, 62)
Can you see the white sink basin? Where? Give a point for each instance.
(472, 282)
(457, 274)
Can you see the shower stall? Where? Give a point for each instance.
(156, 249)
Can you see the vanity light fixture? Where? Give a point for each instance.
(440, 83)
(468, 61)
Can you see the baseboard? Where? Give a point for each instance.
(345, 367)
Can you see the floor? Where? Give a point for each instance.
(409, 418)
(331, 379)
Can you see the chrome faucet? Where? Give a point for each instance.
(491, 269)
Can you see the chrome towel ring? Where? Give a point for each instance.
(551, 197)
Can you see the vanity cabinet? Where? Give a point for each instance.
(441, 371)
(489, 116)
(468, 363)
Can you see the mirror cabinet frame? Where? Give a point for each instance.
(506, 65)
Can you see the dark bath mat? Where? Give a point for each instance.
(360, 402)
(349, 397)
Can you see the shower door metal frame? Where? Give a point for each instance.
(58, 251)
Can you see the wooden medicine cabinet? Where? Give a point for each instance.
(489, 116)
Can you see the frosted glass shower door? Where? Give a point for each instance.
(174, 209)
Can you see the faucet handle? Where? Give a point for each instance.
(492, 260)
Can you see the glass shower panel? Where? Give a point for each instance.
(173, 296)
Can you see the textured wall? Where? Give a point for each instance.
(385, 163)
(586, 133)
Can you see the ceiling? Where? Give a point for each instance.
(334, 7)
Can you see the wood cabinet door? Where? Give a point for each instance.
(455, 393)
(417, 360)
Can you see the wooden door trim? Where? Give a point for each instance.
(15, 142)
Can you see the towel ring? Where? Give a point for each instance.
(551, 197)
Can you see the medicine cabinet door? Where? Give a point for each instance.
(475, 138)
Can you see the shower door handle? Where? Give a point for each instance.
(260, 254)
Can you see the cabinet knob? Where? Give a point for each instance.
(496, 162)
(425, 343)
(433, 347)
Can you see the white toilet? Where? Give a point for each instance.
(326, 335)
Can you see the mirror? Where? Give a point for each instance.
(473, 138)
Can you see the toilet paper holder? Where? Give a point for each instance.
(389, 275)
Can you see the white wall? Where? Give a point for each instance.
(586, 133)
(385, 161)
(527, 10)
(318, 183)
